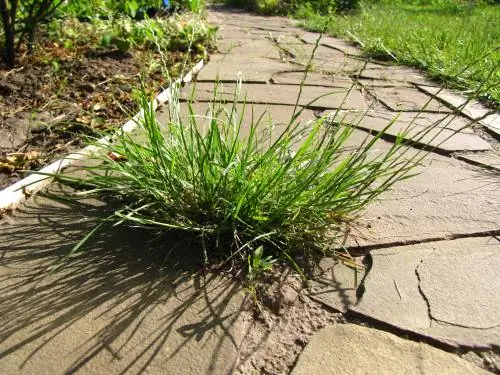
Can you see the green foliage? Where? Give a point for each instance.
(178, 32)
(291, 7)
(257, 264)
(456, 42)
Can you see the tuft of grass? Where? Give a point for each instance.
(455, 42)
(236, 186)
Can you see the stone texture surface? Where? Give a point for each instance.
(328, 41)
(448, 198)
(325, 59)
(313, 79)
(228, 68)
(118, 307)
(470, 108)
(353, 349)
(335, 283)
(447, 290)
(490, 159)
(407, 99)
(323, 97)
(393, 73)
(444, 132)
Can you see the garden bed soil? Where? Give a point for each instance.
(49, 100)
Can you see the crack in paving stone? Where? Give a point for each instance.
(424, 297)
(429, 308)
(364, 249)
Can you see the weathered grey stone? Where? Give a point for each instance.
(448, 198)
(446, 133)
(489, 159)
(448, 290)
(228, 68)
(368, 83)
(470, 108)
(325, 59)
(255, 49)
(353, 349)
(234, 34)
(334, 43)
(313, 79)
(393, 73)
(323, 97)
(303, 52)
(407, 99)
(120, 306)
(335, 283)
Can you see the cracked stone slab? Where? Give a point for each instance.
(447, 290)
(323, 97)
(228, 68)
(407, 99)
(489, 159)
(444, 132)
(470, 108)
(335, 283)
(447, 198)
(234, 34)
(394, 73)
(117, 307)
(313, 79)
(369, 83)
(325, 59)
(334, 43)
(354, 349)
(254, 49)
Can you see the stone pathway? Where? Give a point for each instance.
(430, 288)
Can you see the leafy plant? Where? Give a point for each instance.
(257, 264)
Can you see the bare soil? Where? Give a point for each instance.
(54, 97)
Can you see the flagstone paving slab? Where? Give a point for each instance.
(448, 198)
(394, 73)
(227, 68)
(313, 79)
(335, 283)
(354, 349)
(447, 290)
(407, 99)
(254, 49)
(323, 97)
(470, 108)
(489, 159)
(118, 307)
(449, 133)
(333, 43)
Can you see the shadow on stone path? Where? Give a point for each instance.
(122, 306)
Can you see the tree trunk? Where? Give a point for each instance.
(10, 49)
(8, 10)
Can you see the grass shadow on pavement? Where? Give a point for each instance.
(119, 306)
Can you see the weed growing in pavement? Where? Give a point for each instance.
(237, 186)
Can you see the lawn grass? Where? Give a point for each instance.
(451, 41)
